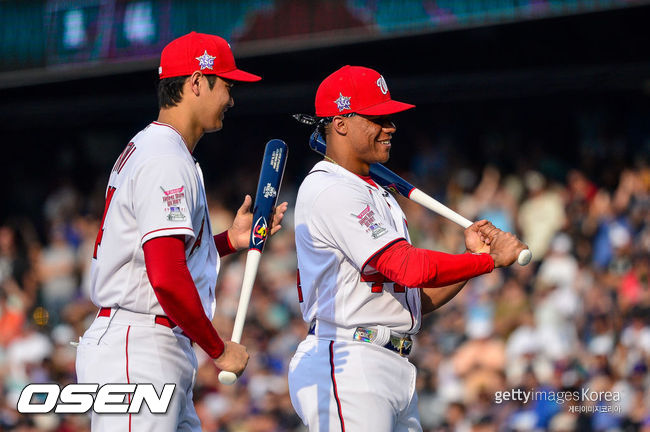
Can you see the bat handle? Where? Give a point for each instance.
(524, 257)
(227, 377)
(250, 272)
(423, 199)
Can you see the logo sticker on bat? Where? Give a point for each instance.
(260, 231)
(391, 187)
(269, 191)
(276, 158)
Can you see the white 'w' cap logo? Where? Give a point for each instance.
(381, 83)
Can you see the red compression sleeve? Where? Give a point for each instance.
(413, 267)
(173, 285)
(222, 242)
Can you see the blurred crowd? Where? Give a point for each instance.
(577, 317)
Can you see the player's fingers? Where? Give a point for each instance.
(516, 245)
(490, 231)
(243, 367)
(277, 218)
(484, 239)
(278, 215)
(521, 246)
(482, 223)
(233, 359)
(280, 210)
(246, 205)
(485, 225)
(476, 226)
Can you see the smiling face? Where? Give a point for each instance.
(369, 137)
(216, 101)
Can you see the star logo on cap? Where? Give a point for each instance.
(206, 61)
(342, 103)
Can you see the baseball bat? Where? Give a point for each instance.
(391, 181)
(268, 189)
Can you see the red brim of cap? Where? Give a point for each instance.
(385, 108)
(239, 75)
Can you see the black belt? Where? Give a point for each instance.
(400, 345)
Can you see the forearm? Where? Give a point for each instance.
(175, 290)
(413, 267)
(434, 298)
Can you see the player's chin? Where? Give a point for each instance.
(216, 127)
(384, 155)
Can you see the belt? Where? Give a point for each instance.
(400, 345)
(160, 319)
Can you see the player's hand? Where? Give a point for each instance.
(505, 248)
(475, 239)
(233, 359)
(240, 231)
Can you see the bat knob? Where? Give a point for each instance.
(524, 257)
(227, 378)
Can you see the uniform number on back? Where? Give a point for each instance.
(109, 196)
(377, 282)
(124, 156)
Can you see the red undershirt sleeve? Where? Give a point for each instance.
(413, 267)
(222, 242)
(173, 285)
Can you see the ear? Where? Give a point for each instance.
(339, 125)
(195, 82)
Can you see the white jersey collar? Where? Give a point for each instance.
(328, 166)
(167, 125)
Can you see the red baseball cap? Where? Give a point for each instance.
(209, 54)
(356, 89)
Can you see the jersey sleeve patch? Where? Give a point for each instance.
(366, 218)
(166, 198)
(174, 204)
(344, 217)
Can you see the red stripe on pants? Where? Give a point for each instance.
(336, 394)
(128, 381)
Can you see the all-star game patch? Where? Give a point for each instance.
(367, 219)
(174, 206)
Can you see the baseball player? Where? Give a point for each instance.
(155, 261)
(362, 286)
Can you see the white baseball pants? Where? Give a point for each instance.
(128, 347)
(353, 386)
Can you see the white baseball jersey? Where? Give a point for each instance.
(342, 221)
(155, 189)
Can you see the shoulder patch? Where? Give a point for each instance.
(367, 220)
(173, 204)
